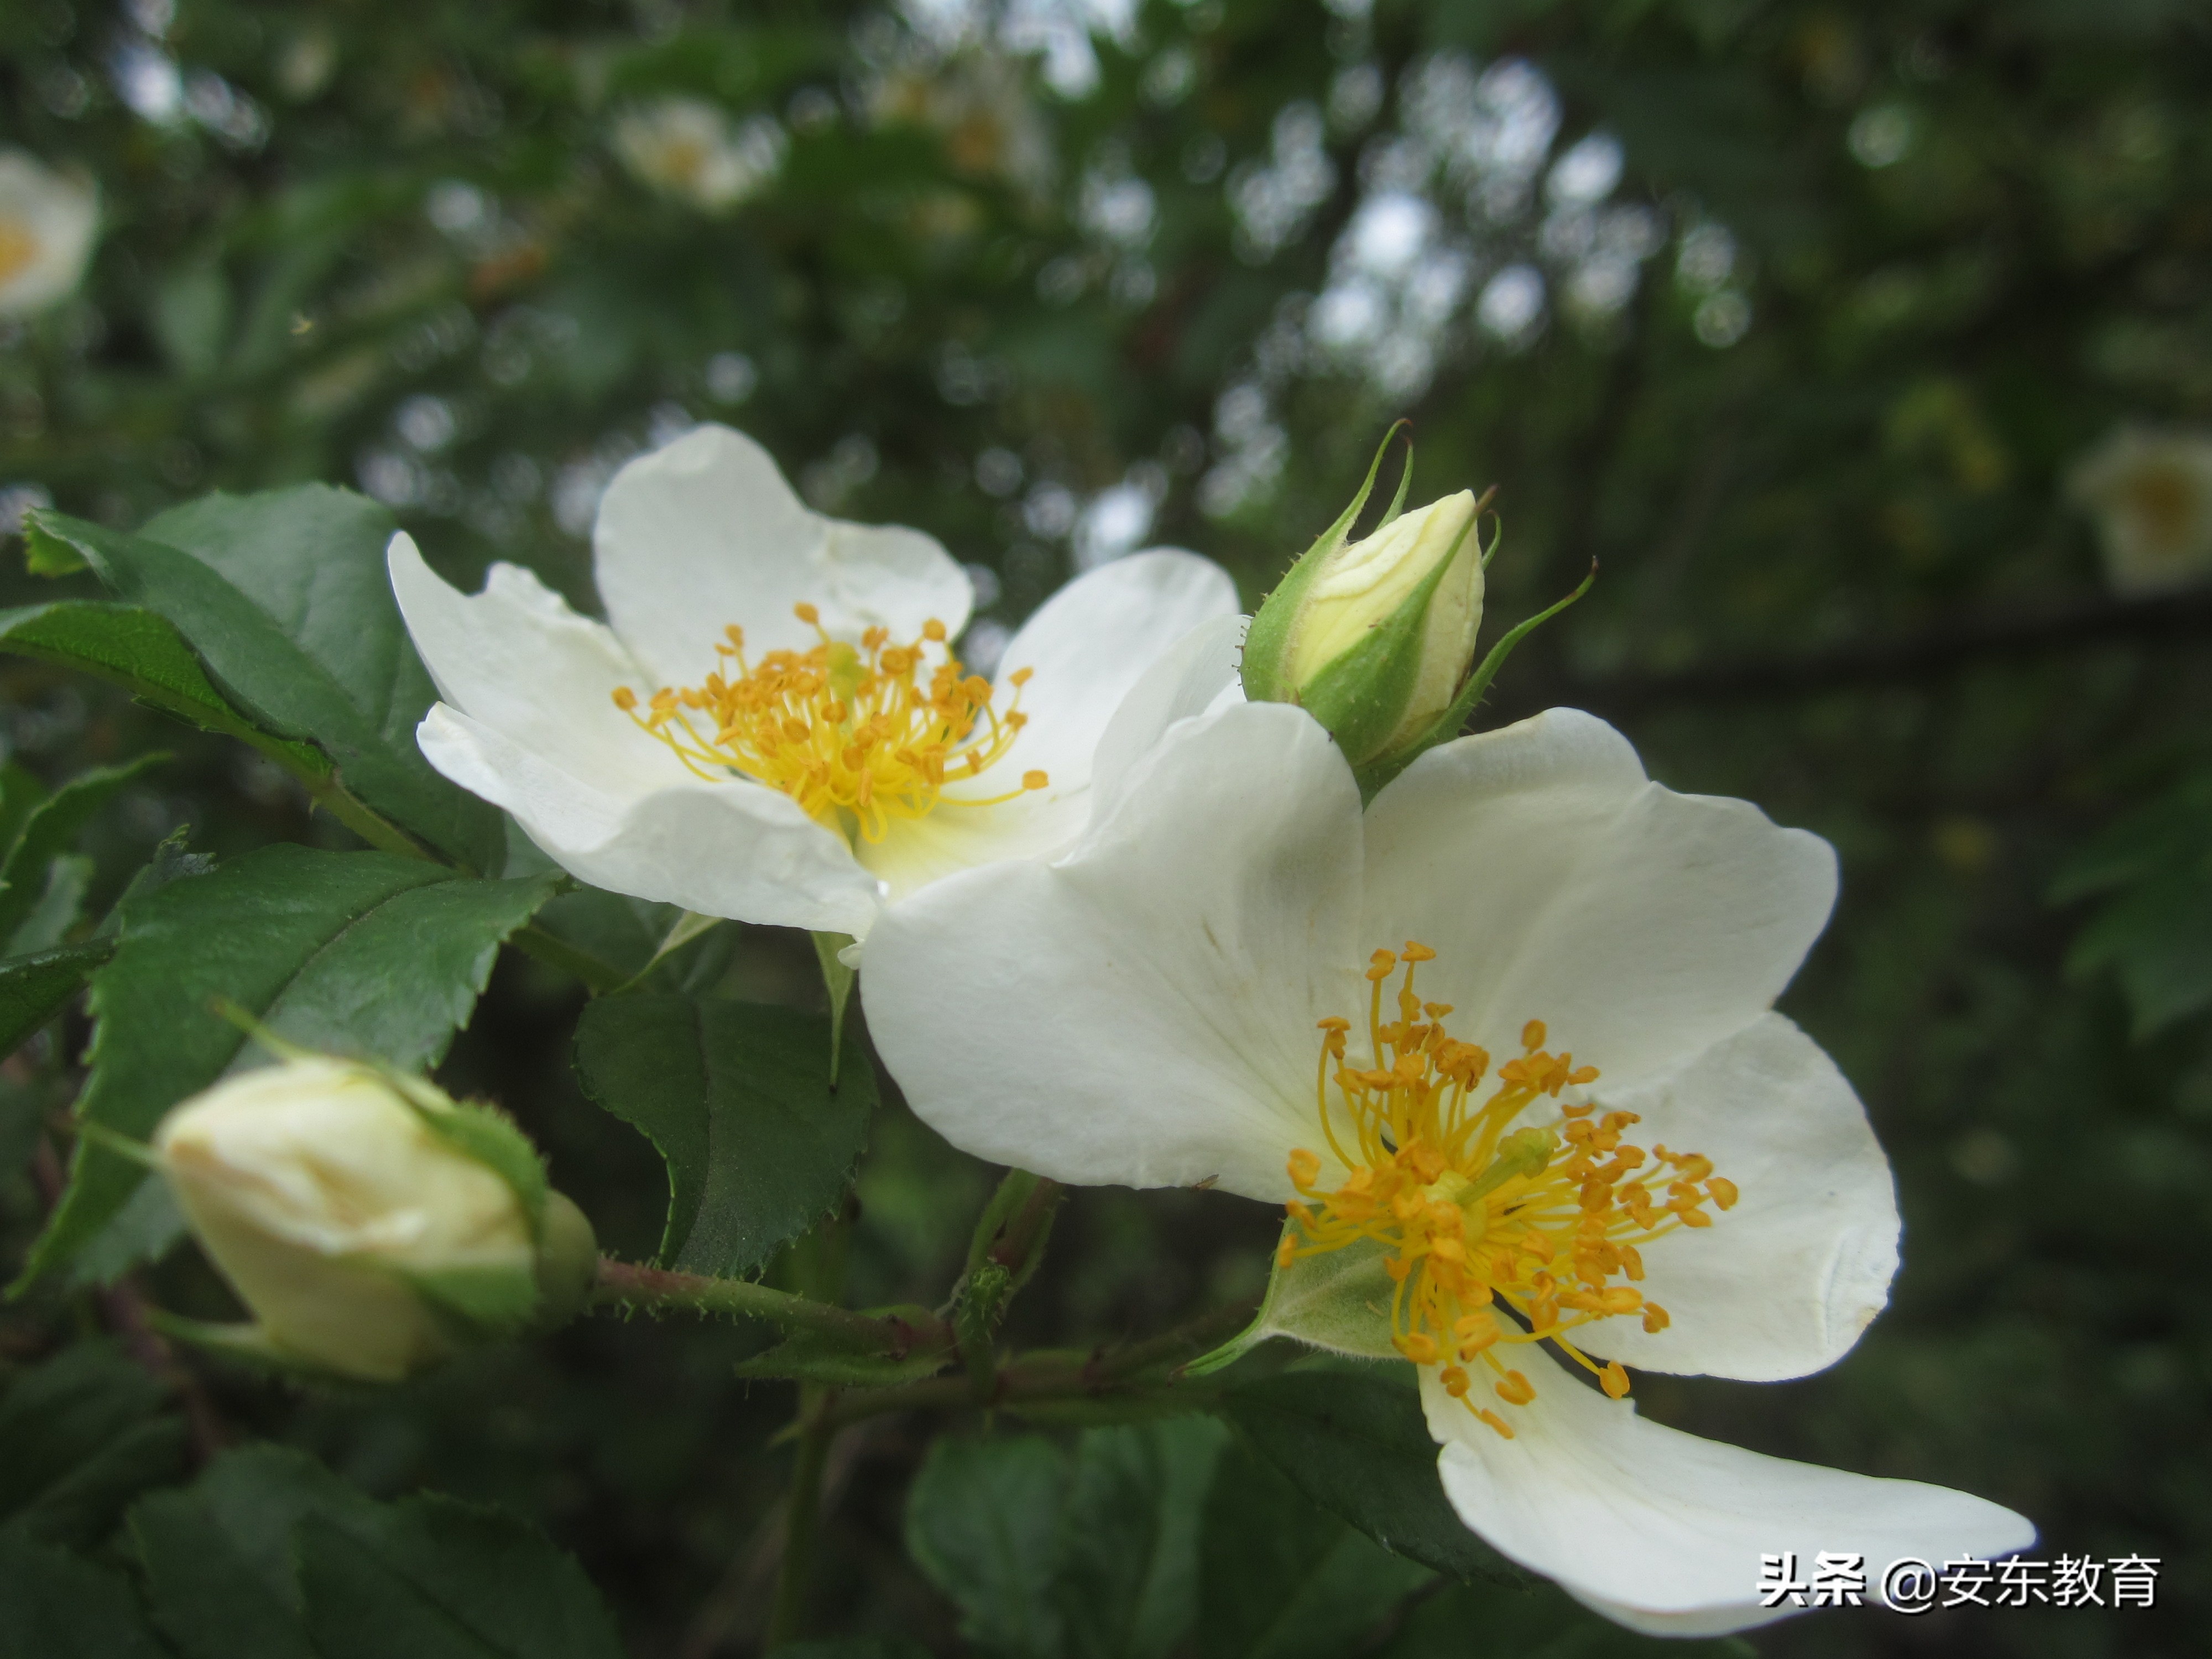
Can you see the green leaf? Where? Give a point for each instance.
(356, 952)
(431, 1578)
(983, 1524)
(1130, 1545)
(54, 1605)
(737, 1098)
(140, 651)
(58, 908)
(35, 988)
(1282, 1579)
(218, 1554)
(1355, 1441)
(270, 1556)
(1539, 1622)
(285, 598)
(80, 1435)
(48, 830)
(2155, 933)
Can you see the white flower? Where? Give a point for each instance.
(690, 149)
(355, 1232)
(830, 766)
(46, 224)
(1179, 998)
(2151, 493)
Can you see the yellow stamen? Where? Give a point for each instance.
(858, 737)
(1544, 1219)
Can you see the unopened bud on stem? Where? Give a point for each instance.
(1373, 638)
(371, 1225)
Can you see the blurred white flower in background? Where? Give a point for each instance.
(47, 221)
(2150, 490)
(690, 149)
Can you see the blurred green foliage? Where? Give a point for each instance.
(1791, 314)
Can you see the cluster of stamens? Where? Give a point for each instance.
(1543, 1221)
(858, 737)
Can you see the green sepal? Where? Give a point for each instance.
(246, 1342)
(1375, 774)
(1267, 641)
(1361, 696)
(837, 977)
(1339, 1301)
(483, 1300)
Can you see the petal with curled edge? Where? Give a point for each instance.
(705, 532)
(1087, 648)
(1122, 1016)
(1196, 675)
(718, 849)
(1558, 883)
(517, 660)
(1663, 1531)
(1783, 1284)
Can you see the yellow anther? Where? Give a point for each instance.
(859, 736)
(1475, 1204)
(1613, 1380)
(1496, 1422)
(1455, 1381)
(1723, 1191)
(625, 699)
(1020, 678)
(1656, 1318)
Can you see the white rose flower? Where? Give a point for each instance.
(47, 220)
(364, 1240)
(771, 728)
(2150, 491)
(688, 149)
(1507, 1040)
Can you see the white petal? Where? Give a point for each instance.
(1194, 676)
(706, 533)
(1782, 1285)
(729, 849)
(1141, 1010)
(516, 659)
(1088, 646)
(1556, 883)
(1093, 641)
(1663, 1531)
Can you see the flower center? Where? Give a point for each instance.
(857, 737)
(1543, 1220)
(18, 247)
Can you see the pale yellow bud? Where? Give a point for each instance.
(345, 1219)
(1363, 587)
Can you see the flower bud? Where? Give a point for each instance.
(1374, 638)
(371, 1224)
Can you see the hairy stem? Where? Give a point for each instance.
(657, 1290)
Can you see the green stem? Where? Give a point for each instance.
(1138, 1371)
(599, 977)
(632, 1286)
(802, 1528)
